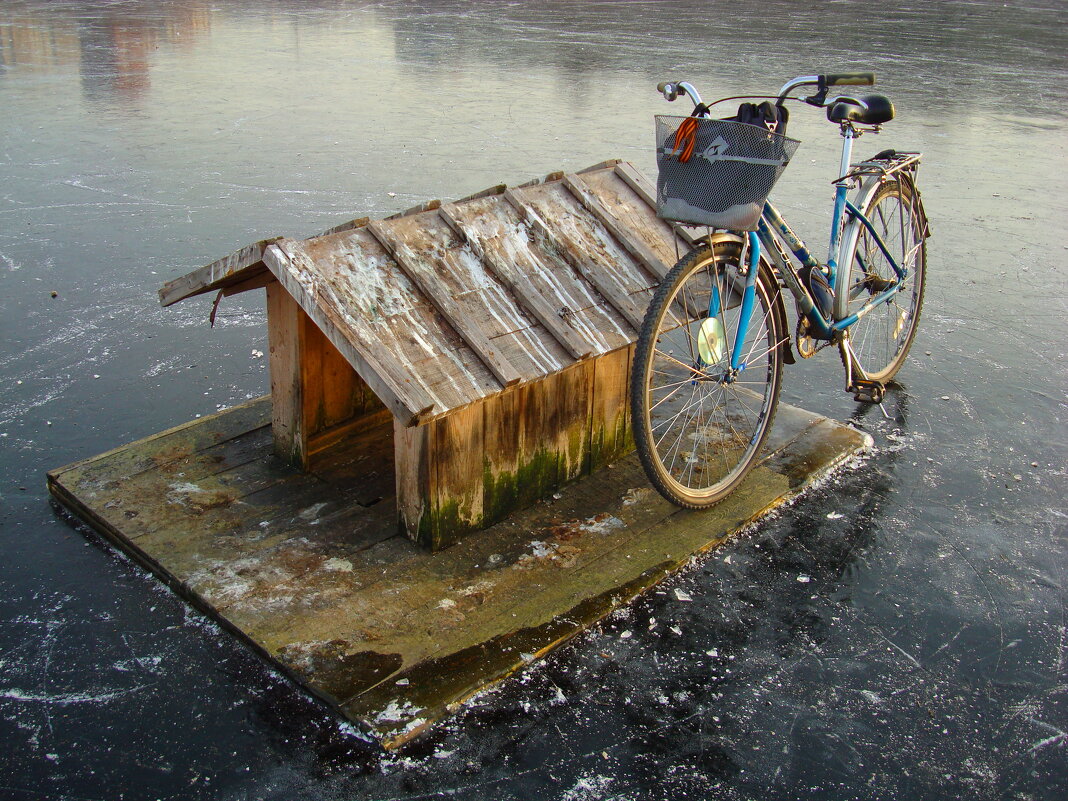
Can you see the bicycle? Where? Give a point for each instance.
(707, 370)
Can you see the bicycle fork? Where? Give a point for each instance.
(712, 337)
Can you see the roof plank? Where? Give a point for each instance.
(570, 250)
(520, 285)
(416, 269)
(508, 240)
(634, 245)
(236, 268)
(365, 354)
(647, 192)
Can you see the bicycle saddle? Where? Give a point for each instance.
(879, 110)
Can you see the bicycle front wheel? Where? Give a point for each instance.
(698, 424)
(881, 339)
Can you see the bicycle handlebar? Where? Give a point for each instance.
(672, 89)
(822, 82)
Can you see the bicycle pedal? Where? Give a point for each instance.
(868, 391)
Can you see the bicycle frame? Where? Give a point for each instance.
(773, 231)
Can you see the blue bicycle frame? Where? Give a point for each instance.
(772, 227)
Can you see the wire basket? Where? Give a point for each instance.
(717, 172)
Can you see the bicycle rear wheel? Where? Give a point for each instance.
(881, 339)
(699, 425)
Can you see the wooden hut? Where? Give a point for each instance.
(490, 338)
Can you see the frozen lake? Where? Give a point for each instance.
(898, 633)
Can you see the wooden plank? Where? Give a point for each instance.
(647, 192)
(610, 430)
(333, 391)
(328, 440)
(429, 205)
(536, 439)
(507, 240)
(439, 478)
(521, 287)
(456, 473)
(489, 192)
(160, 451)
(568, 250)
(604, 165)
(410, 444)
(635, 246)
(635, 215)
(256, 281)
(235, 268)
(414, 268)
(353, 276)
(351, 225)
(484, 302)
(286, 345)
(407, 400)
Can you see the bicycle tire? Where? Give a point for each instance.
(881, 339)
(697, 454)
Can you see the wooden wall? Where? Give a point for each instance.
(479, 464)
(316, 394)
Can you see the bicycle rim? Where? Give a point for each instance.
(882, 338)
(699, 428)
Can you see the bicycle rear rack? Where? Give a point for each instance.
(884, 165)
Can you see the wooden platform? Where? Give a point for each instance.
(310, 570)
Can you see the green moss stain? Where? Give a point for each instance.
(444, 524)
(506, 491)
(611, 441)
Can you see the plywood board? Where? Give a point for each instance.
(310, 571)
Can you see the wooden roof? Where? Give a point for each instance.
(447, 304)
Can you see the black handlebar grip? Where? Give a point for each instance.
(849, 79)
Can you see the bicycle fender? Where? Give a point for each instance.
(868, 189)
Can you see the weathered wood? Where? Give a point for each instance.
(392, 637)
(647, 192)
(527, 299)
(416, 269)
(256, 281)
(491, 191)
(507, 240)
(604, 165)
(239, 266)
(635, 215)
(333, 392)
(456, 471)
(480, 464)
(610, 430)
(520, 285)
(634, 245)
(360, 286)
(429, 205)
(285, 343)
(440, 478)
(413, 476)
(351, 225)
(568, 250)
(368, 358)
